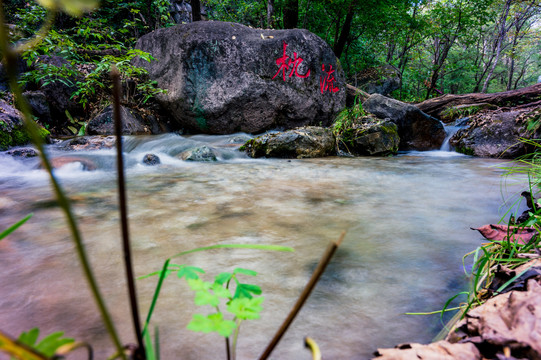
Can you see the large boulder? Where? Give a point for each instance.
(498, 133)
(306, 142)
(224, 77)
(417, 130)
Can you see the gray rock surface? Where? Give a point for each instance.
(379, 139)
(201, 153)
(417, 130)
(497, 134)
(224, 77)
(132, 123)
(306, 142)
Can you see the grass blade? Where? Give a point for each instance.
(14, 227)
(163, 274)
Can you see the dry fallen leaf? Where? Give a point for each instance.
(498, 232)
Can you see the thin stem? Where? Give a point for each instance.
(10, 58)
(325, 259)
(140, 351)
(227, 348)
(235, 338)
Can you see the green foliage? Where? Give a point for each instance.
(92, 46)
(48, 345)
(343, 127)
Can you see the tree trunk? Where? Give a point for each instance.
(435, 106)
(502, 32)
(270, 14)
(196, 10)
(291, 14)
(339, 45)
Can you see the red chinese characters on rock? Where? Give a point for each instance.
(285, 62)
(326, 83)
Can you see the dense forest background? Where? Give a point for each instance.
(437, 46)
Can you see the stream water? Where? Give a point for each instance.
(407, 219)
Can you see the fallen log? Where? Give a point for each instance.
(436, 106)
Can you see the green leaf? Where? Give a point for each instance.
(52, 342)
(212, 323)
(29, 338)
(221, 291)
(246, 309)
(199, 285)
(206, 298)
(223, 278)
(246, 291)
(189, 272)
(48, 345)
(244, 271)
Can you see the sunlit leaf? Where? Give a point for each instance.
(221, 291)
(245, 308)
(206, 298)
(199, 285)
(212, 323)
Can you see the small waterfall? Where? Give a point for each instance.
(450, 130)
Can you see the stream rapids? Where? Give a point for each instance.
(407, 219)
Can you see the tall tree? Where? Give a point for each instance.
(196, 10)
(270, 14)
(291, 14)
(346, 29)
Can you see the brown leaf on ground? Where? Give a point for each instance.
(511, 320)
(441, 350)
(496, 232)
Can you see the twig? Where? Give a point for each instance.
(140, 351)
(314, 349)
(326, 258)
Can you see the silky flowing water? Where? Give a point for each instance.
(407, 219)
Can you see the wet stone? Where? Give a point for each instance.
(23, 152)
(151, 160)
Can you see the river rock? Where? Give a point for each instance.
(380, 139)
(306, 142)
(224, 77)
(25, 152)
(417, 130)
(151, 160)
(89, 143)
(201, 153)
(497, 134)
(132, 123)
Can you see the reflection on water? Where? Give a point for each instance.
(407, 220)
